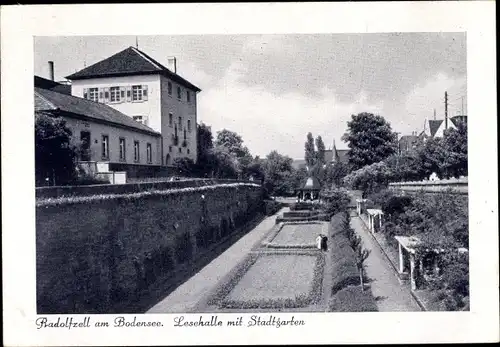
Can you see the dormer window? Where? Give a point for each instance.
(115, 94)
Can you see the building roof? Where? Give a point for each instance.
(48, 100)
(328, 155)
(52, 85)
(310, 183)
(434, 126)
(342, 155)
(128, 62)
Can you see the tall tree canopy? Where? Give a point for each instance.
(320, 151)
(278, 174)
(231, 141)
(310, 154)
(370, 139)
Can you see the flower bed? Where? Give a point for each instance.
(272, 295)
(277, 240)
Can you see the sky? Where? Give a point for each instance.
(274, 89)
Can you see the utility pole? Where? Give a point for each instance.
(136, 43)
(446, 110)
(462, 106)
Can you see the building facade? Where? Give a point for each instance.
(138, 86)
(103, 134)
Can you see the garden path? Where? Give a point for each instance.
(187, 295)
(390, 294)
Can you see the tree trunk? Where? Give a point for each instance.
(361, 279)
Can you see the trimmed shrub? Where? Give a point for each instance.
(335, 200)
(353, 299)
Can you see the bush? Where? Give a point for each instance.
(271, 207)
(396, 204)
(353, 299)
(335, 200)
(86, 179)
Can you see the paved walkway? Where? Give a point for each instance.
(390, 294)
(187, 295)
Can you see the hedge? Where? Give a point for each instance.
(353, 299)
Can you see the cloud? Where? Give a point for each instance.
(268, 122)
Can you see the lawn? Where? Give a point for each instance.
(295, 234)
(276, 277)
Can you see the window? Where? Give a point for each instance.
(92, 94)
(180, 123)
(179, 93)
(188, 151)
(105, 147)
(136, 151)
(188, 96)
(149, 155)
(115, 94)
(138, 118)
(170, 119)
(189, 125)
(169, 87)
(136, 93)
(180, 149)
(184, 134)
(122, 149)
(170, 148)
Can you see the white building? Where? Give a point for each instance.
(140, 87)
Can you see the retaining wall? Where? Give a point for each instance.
(100, 254)
(456, 186)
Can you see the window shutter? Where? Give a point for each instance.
(144, 92)
(122, 93)
(101, 95)
(106, 95)
(129, 93)
(85, 93)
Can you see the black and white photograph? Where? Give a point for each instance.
(211, 174)
(251, 179)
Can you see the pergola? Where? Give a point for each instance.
(374, 219)
(415, 268)
(360, 205)
(309, 190)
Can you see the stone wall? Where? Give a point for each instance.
(456, 186)
(102, 253)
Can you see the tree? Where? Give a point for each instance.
(455, 159)
(231, 141)
(205, 147)
(369, 178)
(223, 163)
(320, 151)
(278, 173)
(55, 155)
(370, 139)
(185, 165)
(310, 154)
(335, 173)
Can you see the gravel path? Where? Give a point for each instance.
(390, 294)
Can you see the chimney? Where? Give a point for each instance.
(51, 70)
(172, 64)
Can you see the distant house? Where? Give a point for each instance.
(436, 127)
(331, 156)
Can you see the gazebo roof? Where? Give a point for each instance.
(374, 211)
(310, 183)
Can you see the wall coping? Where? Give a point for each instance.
(451, 181)
(68, 200)
(127, 188)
